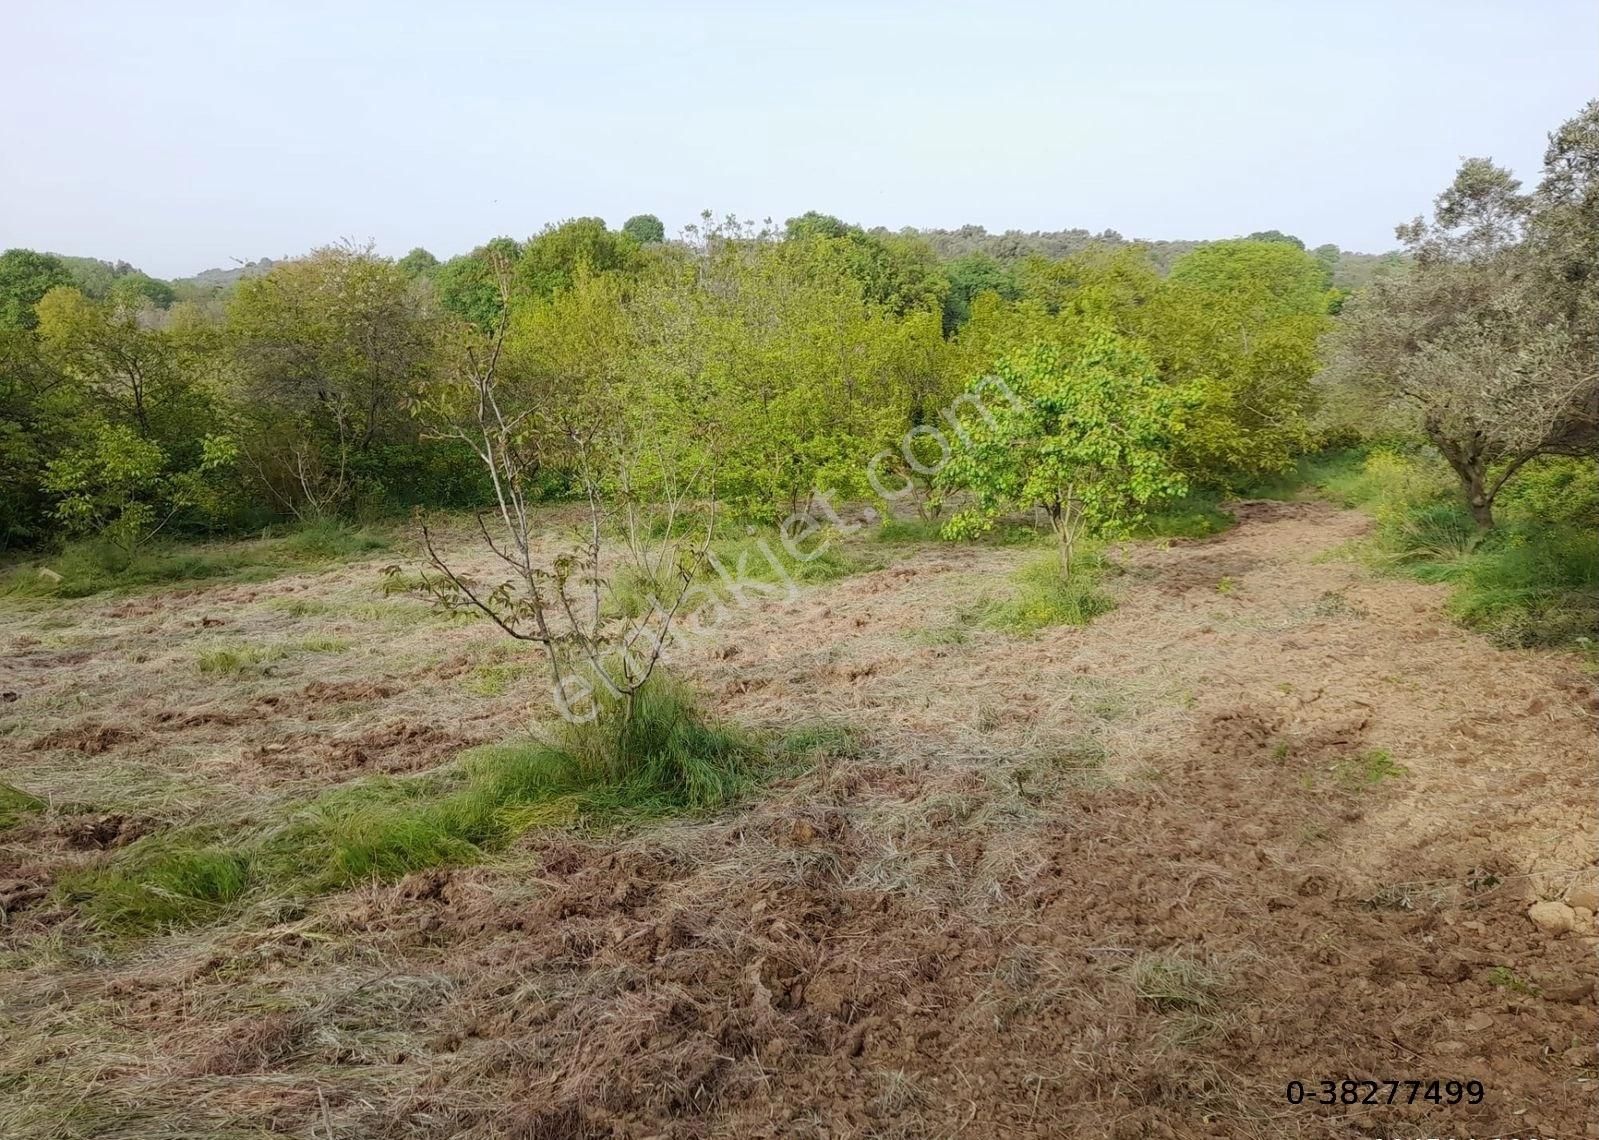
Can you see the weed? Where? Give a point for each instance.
(322, 643)
(1507, 979)
(1226, 585)
(1044, 598)
(1367, 770)
(907, 530)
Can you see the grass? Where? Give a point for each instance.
(1532, 580)
(1043, 598)
(16, 803)
(80, 569)
(233, 660)
(1367, 770)
(162, 881)
(1196, 515)
(892, 530)
(666, 760)
(1175, 982)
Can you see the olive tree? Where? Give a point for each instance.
(1478, 340)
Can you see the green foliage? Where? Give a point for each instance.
(645, 229)
(1239, 322)
(1083, 433)
(559, 254)
(25, 277)
(969, 278)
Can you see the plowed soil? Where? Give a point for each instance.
(1274, 819)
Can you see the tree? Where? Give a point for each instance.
(1276, 235)
(1240, 321)
(1484, 339)
(970, 276)
(898, 271)
(600, 653)
(469, 285)
(646, 229)
(25, 277)
(136, 290)
(331, 350)
(418, 263)
(1084, 432)
(552, 259)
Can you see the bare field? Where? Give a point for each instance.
(1271, 819)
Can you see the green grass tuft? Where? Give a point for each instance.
(1043, 598)
(1367, 770)
(162, 883)
(16, 803)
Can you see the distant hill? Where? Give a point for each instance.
(222, 280)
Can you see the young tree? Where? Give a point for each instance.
(600, 654)
(1085, 432)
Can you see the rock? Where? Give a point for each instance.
(1552, 917)
(1583, 896)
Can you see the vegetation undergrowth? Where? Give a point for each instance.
(1532, 580)
(88, 567)
(667, 760)
(1044, 598)
(1197, 514)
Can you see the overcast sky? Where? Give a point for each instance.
(181, 136)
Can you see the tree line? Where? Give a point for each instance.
(784, 359)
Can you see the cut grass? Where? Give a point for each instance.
(1043, 598)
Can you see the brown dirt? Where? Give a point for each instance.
(1128, 881)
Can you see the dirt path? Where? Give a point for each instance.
(1273, 819)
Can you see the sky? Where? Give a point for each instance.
(184, 136)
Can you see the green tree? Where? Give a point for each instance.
(470, 285)
(646, 229)
(1084, 432)
(330, 351)
(1486, 342)
(25, 277)
(553, 258)
(418, 263)
(1240, 321)
(970, 276)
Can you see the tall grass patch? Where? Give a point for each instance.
(1045, 598)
